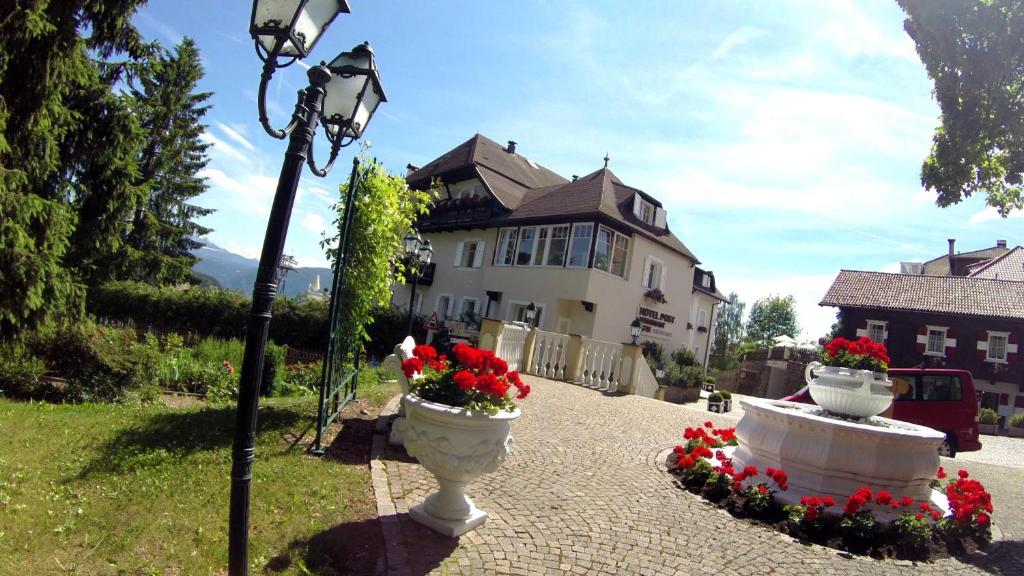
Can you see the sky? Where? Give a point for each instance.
(784, 138)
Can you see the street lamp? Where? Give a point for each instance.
(530, 314)
(418, 253)
(634, 329)
(344, 98)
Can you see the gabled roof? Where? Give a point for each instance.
(1009, 266)
(530, 192)
(506, 174)
(961, 295)
(940, 266)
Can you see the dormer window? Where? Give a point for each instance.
(647, 212)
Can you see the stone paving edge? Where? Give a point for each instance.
(397, 560)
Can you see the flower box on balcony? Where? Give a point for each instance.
(656, 295)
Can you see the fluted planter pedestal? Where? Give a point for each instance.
(456, 446)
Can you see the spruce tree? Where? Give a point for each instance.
(164, 230)
(68, 152)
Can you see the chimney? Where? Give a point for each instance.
(511, 149)
(952, 241)
(1000, 243)
(575, 177)
(410, 168)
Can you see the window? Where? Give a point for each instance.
(941, 388)
(542, 245)
(557, 246)
(526, 241)
(579, 251)
(603, 250)
(936, 341)
(705, 280)
(876, 331)
(619, 255)
(647, 212)
(469, 310)
(517, 312)
(444, 307)
(654, 270)
(469, 254)
(997, 346)
(506, 254)
(702, 318)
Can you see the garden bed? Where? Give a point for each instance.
(919, 532)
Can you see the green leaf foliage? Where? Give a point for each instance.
(974, 54)
(729, 333)
(771, 317)
(385, 209)
(68, 152)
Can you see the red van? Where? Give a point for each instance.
(938, 398)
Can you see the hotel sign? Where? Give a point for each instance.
(654, 322)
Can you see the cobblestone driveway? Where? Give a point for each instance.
(582, 494)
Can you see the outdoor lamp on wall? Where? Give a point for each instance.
(531, 313)
(634, 329)
(343, 98)
(418, 253)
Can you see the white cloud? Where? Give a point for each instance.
(254, 195)
(313, 222)
(236, 135)
(737, 38)
(807, 290)
(223, 149)
(242, 249)
(989, 214)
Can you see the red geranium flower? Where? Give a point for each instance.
(464, 379)
(411, 366)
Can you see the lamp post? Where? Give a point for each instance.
(418, 252)
(530, 314)
(343, 96)
(634, 329)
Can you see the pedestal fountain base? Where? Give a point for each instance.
(825, 455)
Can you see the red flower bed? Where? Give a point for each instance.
(919, 532)
(477, 379)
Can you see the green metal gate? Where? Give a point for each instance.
(340, 376)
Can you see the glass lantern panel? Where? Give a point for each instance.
(313, 20)
(275, 14)
(342, 95)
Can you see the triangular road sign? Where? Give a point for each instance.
(432, 324)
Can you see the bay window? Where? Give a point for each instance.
(579, 252)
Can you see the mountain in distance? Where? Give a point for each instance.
(238, 273)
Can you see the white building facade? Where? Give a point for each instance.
(591, 254)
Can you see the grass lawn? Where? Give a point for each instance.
(107, 489)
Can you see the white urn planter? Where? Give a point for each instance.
(848, 392)
(457, 446)
(393, 363)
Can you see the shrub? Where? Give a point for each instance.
(726, 395)
(683, 376)
(715, 397)
(300, 379)
(988, 416)
(709, 379)
(654, 353)
(1017, 420)
(21, 374)
(684, 357)
(99, 364)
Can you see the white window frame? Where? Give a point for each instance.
(540, 306)
(702, 318)
(478, 256)
(502, 245)
(611, 254)
(462, 305)
(645, 281)
(590, 245)
(1006, 347)
(550, 240)
(533, 246)
(881, 325)
(437, 305)
(928, 340)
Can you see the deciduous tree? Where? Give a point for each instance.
(771, 317)
(728, 333)
(974, 54)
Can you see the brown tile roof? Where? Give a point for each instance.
(940, 266)
(531, 191)
(962, 295)
(599, 192)
(1009, 266)
(508, 176)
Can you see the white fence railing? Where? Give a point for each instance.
(512, 344)
(601, 363)
(549, 354)
(646, 383)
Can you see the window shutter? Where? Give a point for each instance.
(645, 279)
(458, 254)
(659, 218)
(478, 258)
(664, 273)
(637, 203)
